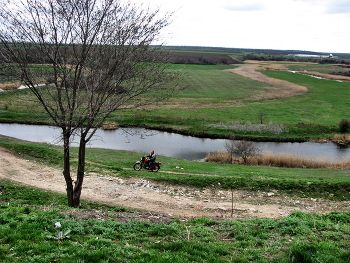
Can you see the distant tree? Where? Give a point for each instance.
(241, 148)
(261, 117)
(230, 148)
(95, 57)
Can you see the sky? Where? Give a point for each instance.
(308, 25)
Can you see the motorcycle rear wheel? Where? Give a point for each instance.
(155, 168)
(137, 166)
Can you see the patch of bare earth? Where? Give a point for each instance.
(162, 201)
(277, 88)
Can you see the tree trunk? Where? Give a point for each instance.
(66, 165)
(80, 172)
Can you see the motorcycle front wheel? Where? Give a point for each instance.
(137, 166)
(155, 168)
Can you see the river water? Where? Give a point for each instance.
(168, 144)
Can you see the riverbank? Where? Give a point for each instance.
(209, 107)
(136, 191)
(332, 135)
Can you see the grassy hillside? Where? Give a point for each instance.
(100, 233)
(303, 182)
(28, 234)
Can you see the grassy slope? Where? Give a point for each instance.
(28, 215)
(304, 182)
(27, 235)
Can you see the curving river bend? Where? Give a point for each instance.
(167, 144)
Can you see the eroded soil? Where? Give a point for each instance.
(162, 201)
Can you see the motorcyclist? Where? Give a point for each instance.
(151, 157)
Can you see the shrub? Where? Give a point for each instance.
(344, 125)
(243, 149)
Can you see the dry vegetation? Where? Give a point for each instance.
(341, 138)
(326, 76)
(278, 88)
(281, 160)
(10, 85)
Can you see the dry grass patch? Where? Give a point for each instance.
(341, 138)
(281, 160)
(326, 76)
(187, 103)
(10, 85)
(277, 88)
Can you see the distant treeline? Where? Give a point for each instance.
(202, 58)
(257, 52)
(290, 57)
(218, 55)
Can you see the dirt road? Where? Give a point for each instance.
(178, 201)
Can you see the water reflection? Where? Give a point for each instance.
(167, 144)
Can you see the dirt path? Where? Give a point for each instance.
(277, 88)
(161, 198)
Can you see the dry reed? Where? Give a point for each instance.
(10, 85)
(341, 138)
(281, 160)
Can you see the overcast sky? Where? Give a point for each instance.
(310, 25)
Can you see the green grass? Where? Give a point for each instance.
(215, 96)
(323, 183)
(215, 83)
(325, 104)
(315, 114)
(27, 234)
(28, 215)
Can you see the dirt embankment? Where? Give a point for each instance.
(163, 199)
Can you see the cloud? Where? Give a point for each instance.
(338, 7)
(245, 7)
(331, 6)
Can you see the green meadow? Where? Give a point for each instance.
(28, 215)
(213, 103)
(215, 98)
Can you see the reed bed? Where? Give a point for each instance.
(341, 138)
(281, 160)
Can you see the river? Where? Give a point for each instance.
(167, 144)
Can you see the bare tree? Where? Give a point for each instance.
(95, 56)
(230, 148)
(243, 149)
(261, 116)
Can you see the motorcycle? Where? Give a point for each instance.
(143, 163)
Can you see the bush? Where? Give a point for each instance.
(344, 125)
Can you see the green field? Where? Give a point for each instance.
(215, 97)
(28, 215)
(304, 182)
